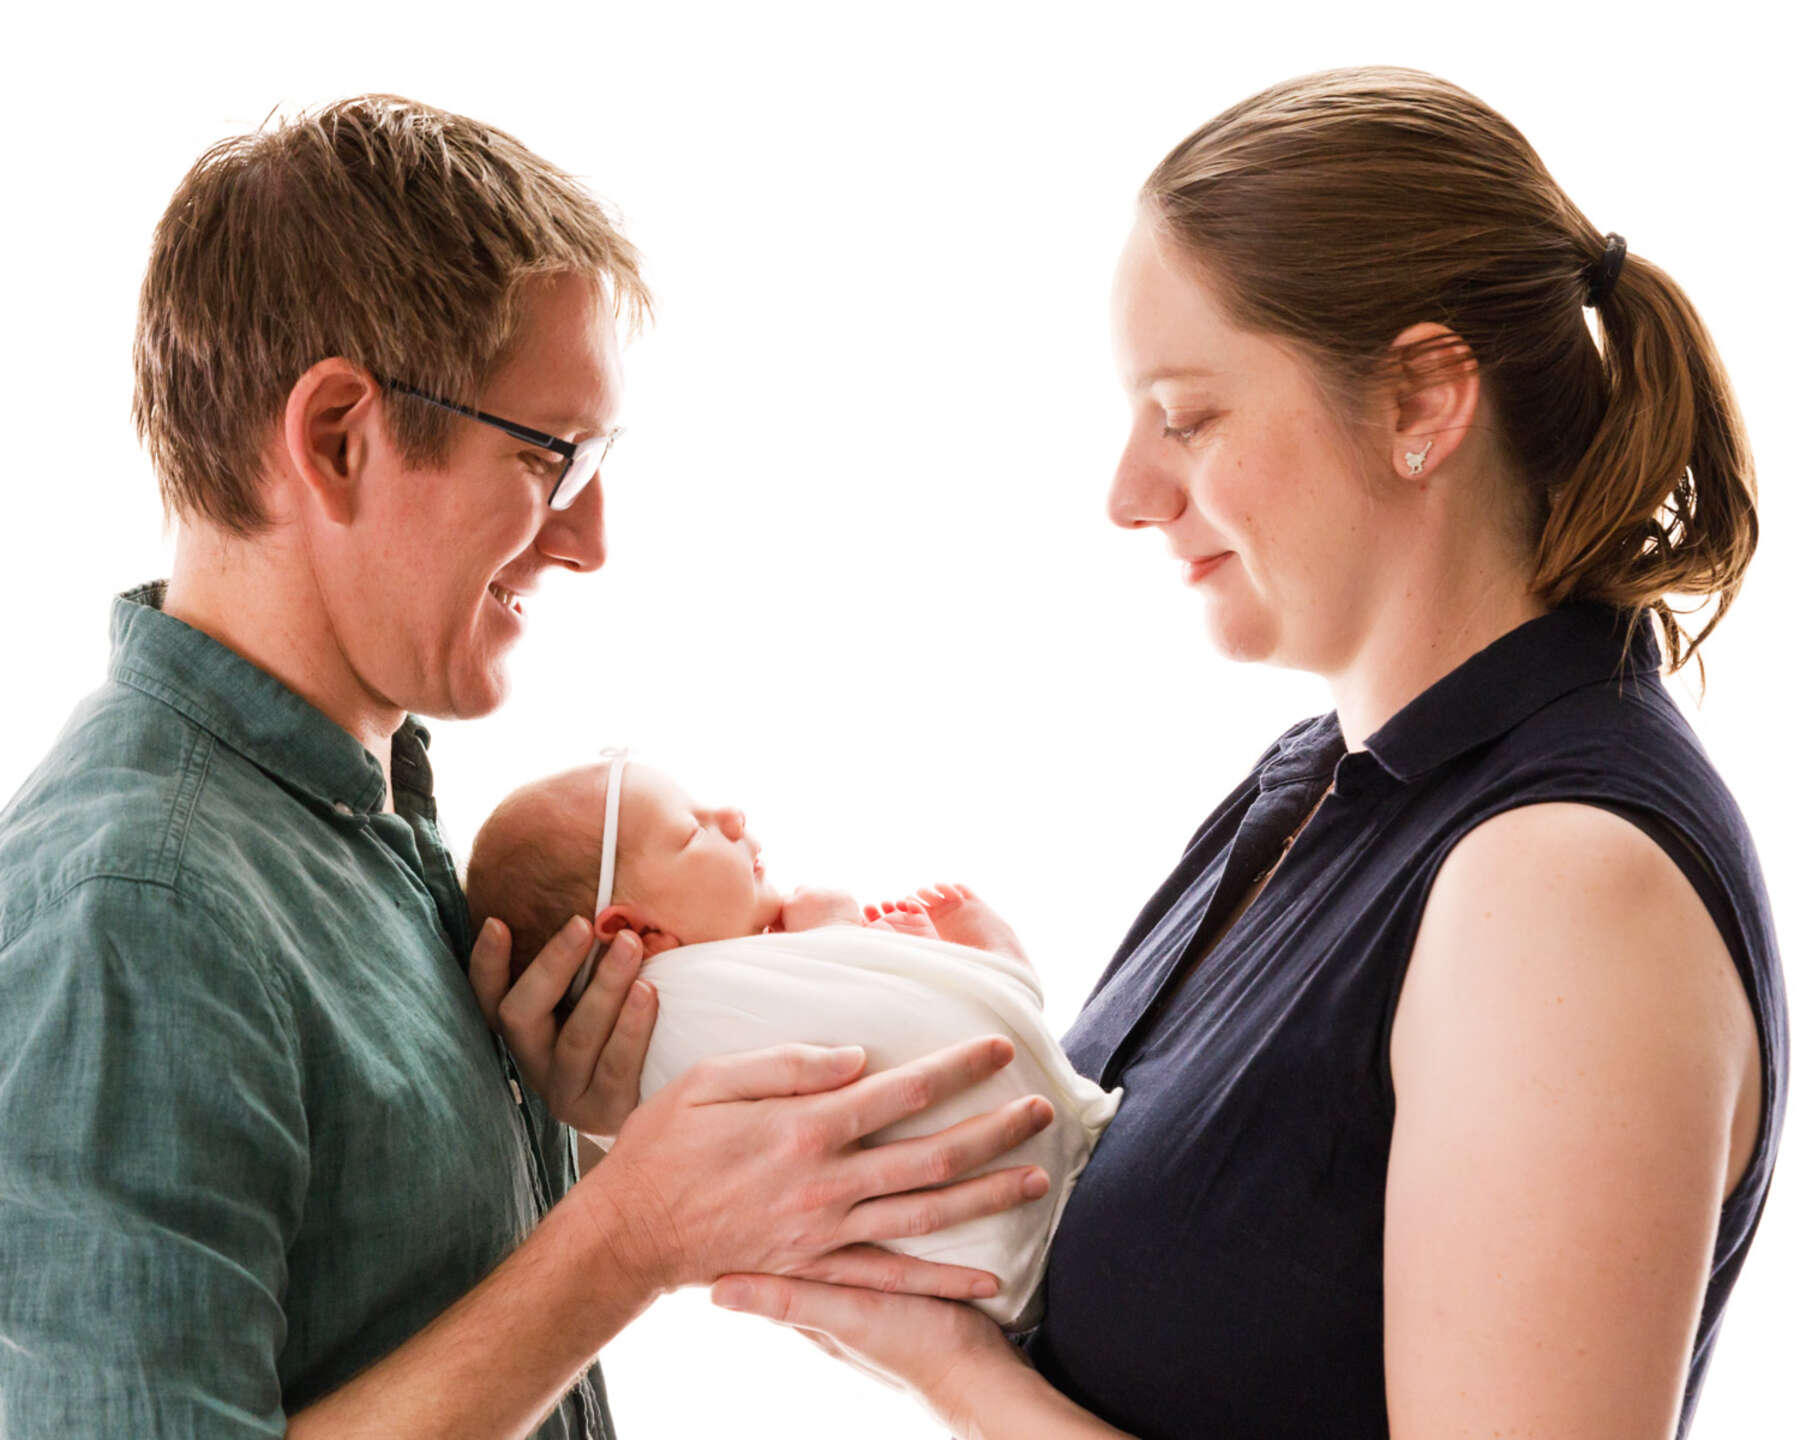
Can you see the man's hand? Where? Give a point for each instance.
(587, 1066)
(756, 1162)
(808, 908)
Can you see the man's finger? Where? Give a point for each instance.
(926, 1160)
(873, 1268)
(535, 993)
(892, 1217)
(880, 1100)
(590, 1024)
(620, 1073)
(779, 1070)
(489, 970)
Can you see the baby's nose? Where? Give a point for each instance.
(732, 823)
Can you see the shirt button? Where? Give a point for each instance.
(342, 808)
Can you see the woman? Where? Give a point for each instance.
(1454, 1049)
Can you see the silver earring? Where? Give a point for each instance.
(1415, 459)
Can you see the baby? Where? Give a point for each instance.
(739, 966)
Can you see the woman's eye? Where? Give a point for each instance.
(537, 462)
(1183, 433)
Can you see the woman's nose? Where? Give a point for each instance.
(1142, 492)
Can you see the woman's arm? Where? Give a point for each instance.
(1570, 1053)
(951, 1358)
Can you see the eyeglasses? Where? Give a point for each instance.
(581, 462)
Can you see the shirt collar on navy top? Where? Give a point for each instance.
(251, 711)
(1579, 643)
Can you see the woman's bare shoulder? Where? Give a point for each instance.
(1568, 1054)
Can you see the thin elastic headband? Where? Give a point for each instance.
(609, 855)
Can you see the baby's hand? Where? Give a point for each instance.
(809, 908)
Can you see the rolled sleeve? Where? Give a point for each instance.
(153, 1168)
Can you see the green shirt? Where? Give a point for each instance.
(254, 1132)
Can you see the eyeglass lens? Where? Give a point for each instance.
(583, 466)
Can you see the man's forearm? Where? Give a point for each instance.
(496, 1362)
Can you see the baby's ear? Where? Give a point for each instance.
(615, 918)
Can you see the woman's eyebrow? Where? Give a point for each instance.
(1175, 372)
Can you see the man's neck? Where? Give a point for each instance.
(260, 599)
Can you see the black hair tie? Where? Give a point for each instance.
(1603, 273)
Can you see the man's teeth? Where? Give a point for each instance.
(506, 598)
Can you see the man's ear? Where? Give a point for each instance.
(1435, 398)
(325, 434)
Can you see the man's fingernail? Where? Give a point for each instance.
(846, 1058)
(490, 928)
(1037, 1184)
(576, 924)
(640, 995)
(731, 1295)
(985, 1289)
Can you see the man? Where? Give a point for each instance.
(263, 1167)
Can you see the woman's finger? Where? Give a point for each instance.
(490, 968)
(873, 1268)
(779, 1070)
(589, 1028)
(927, 1160)
(893, 1217)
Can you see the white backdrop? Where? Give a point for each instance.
(869, 441)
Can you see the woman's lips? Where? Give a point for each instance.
(1197, 570)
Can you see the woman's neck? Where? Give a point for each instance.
(1411, 643)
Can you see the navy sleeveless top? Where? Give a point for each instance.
(1218, 1270)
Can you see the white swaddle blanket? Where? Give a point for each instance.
(900, 998)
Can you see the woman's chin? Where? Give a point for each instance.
(1240, 632)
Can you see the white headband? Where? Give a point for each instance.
(609, 854)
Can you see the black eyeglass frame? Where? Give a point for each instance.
(597, 446)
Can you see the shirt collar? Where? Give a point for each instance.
(1579, 643)
(250, 710)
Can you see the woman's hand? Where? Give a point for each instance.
(947, 1356)
(588, 1065)
(756, 1162)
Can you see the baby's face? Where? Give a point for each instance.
(694, 873)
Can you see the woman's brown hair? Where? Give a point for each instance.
(1336, 209)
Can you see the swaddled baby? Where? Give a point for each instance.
(751, 967)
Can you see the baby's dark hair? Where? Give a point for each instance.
(536, 859)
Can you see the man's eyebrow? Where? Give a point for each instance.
(569, 424)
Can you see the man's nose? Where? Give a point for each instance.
(576, 537)
(1142, 492)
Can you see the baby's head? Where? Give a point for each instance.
(690, 873)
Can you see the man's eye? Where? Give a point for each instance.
(538, 463)
(1183, 433)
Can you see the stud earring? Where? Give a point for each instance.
(1415, 459)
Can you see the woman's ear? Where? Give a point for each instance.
(324, 435)
(1437, 388)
